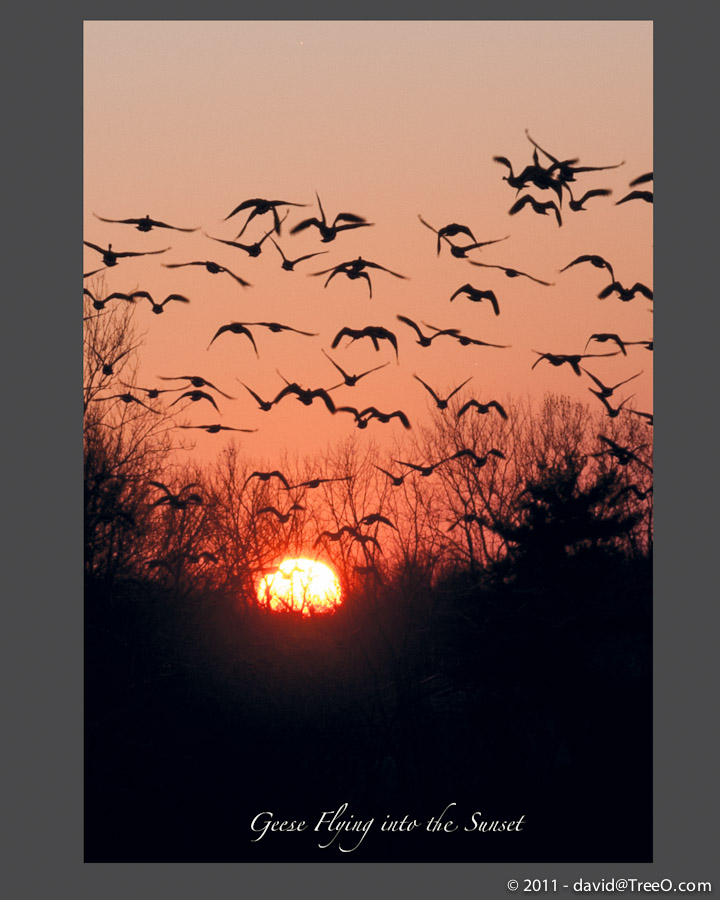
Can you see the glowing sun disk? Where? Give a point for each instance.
(302, 585)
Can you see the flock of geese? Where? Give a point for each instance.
(545, 172)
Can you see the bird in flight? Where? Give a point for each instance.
(624, 293)
(441, 403)
(195, 396)
(376, 333)
(477, 295)
(623, 455)
(306, 396)
(376, 519)
(150, 393)
(482, 408)
(613, 412)
(354, 534)
(423, 339)
(616, 339)
(110, 256)
(251, 249)
(276, 328)
(573, 360)
(641, 179)
(534, 174)
(643, 415)
(215, 429)
(282, 517)
(127, 399)
(108, 365)
(396, 480)
(341, 222)
(647, 196)
(566, 169)
(454, 229)
(538, 206)
(356, 269)
(212, 267)
(196, 381)
(181, 500)
(468, 519)
(100, 304)
(266, 476)
(350, 380)
(362, 417)
(578, 205)
(289, 264)
(145, 223)
(478, 461)
(157, 308)
(265, 405)
(511, 273)
(605, 390)
(235, 328)
(313, 483)
(425, 471)
(259, 207)
(598, 261)
(463, 339)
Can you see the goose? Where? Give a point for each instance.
(356, 269)
(598, 261)
(110, 256)
(604, 389)
(215, 429)
(511, 273)
(212, 267)
(196, 381)
(477, 295)
(329, 232)
(145, 223)
(259, 207)
(158, 308)
(195, 397)
(441, 403)
(376, 333)
(482, 408)
(235, 328)
(289, 264)
(351, 380)
(626, 294)
(566, 169)
(573, 360)
(647, 196)
(538, 207)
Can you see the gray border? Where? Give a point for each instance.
(46, 658)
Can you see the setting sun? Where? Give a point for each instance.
(301, 585)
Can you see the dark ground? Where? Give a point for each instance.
(510, 702)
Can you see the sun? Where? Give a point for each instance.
(301, 585)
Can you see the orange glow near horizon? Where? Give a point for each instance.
(300, 585)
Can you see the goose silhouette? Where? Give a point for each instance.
(511, 273)
(212, 267)
(110, 256)
(440, 402)
(289, 264)
(341, 222)
(259, 207)
(145, 223)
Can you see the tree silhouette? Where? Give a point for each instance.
(564, 512)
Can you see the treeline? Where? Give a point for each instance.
(545, 483)
(493, 646)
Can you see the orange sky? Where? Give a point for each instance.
(388, 120)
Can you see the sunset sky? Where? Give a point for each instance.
(387, 120)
